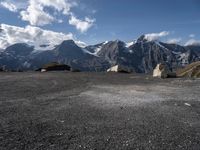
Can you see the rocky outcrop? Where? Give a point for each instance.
(55, 67)
(1, 69)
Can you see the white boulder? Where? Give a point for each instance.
(161, 71)
(119, 68)
(43, 70)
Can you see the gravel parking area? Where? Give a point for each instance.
(98, 111)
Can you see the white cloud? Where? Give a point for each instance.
(8, 5)
(14, 5)
(192, 35)
(63, 6)
(31, 35)
(156, 36)
(36, 12)
(174, 40)
(81, 44)
(36, 15)
(192, 42)
(81, 25)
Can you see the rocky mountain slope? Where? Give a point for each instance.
(191, 70)
(141, 56)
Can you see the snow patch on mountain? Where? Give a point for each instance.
(158, 43)
(81, 44)
(184, 58)
(130, 44)
(176, 53)
(26, 64)
(106, 42)
(88, 52)
(130, 51)
(97, 50)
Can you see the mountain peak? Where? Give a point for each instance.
(118, 41)
(142, 38)
(67, 45)
(19, 49)
(69, 48)
(67, 42)
(19, 45)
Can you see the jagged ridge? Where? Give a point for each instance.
(142, 56)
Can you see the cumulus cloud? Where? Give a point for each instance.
(174, 40)
(192, 42)
(10, 6)
(36, 15)
(36, 12)
(156, 36)
(63, 6)
(81, 25)
(31, 35)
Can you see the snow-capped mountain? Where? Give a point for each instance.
(68, 52)
(14, 56)
(140, 55)
(94, 49)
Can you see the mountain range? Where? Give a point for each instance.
(140, 56)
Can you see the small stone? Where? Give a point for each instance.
(187, 104)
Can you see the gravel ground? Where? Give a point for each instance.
(98, 111)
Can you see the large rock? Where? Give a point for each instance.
(119, 68)
(161, 71)
(3, 69)
(54, 66)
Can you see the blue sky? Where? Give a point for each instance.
(111, 19)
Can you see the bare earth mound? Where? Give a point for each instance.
(59, 111)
